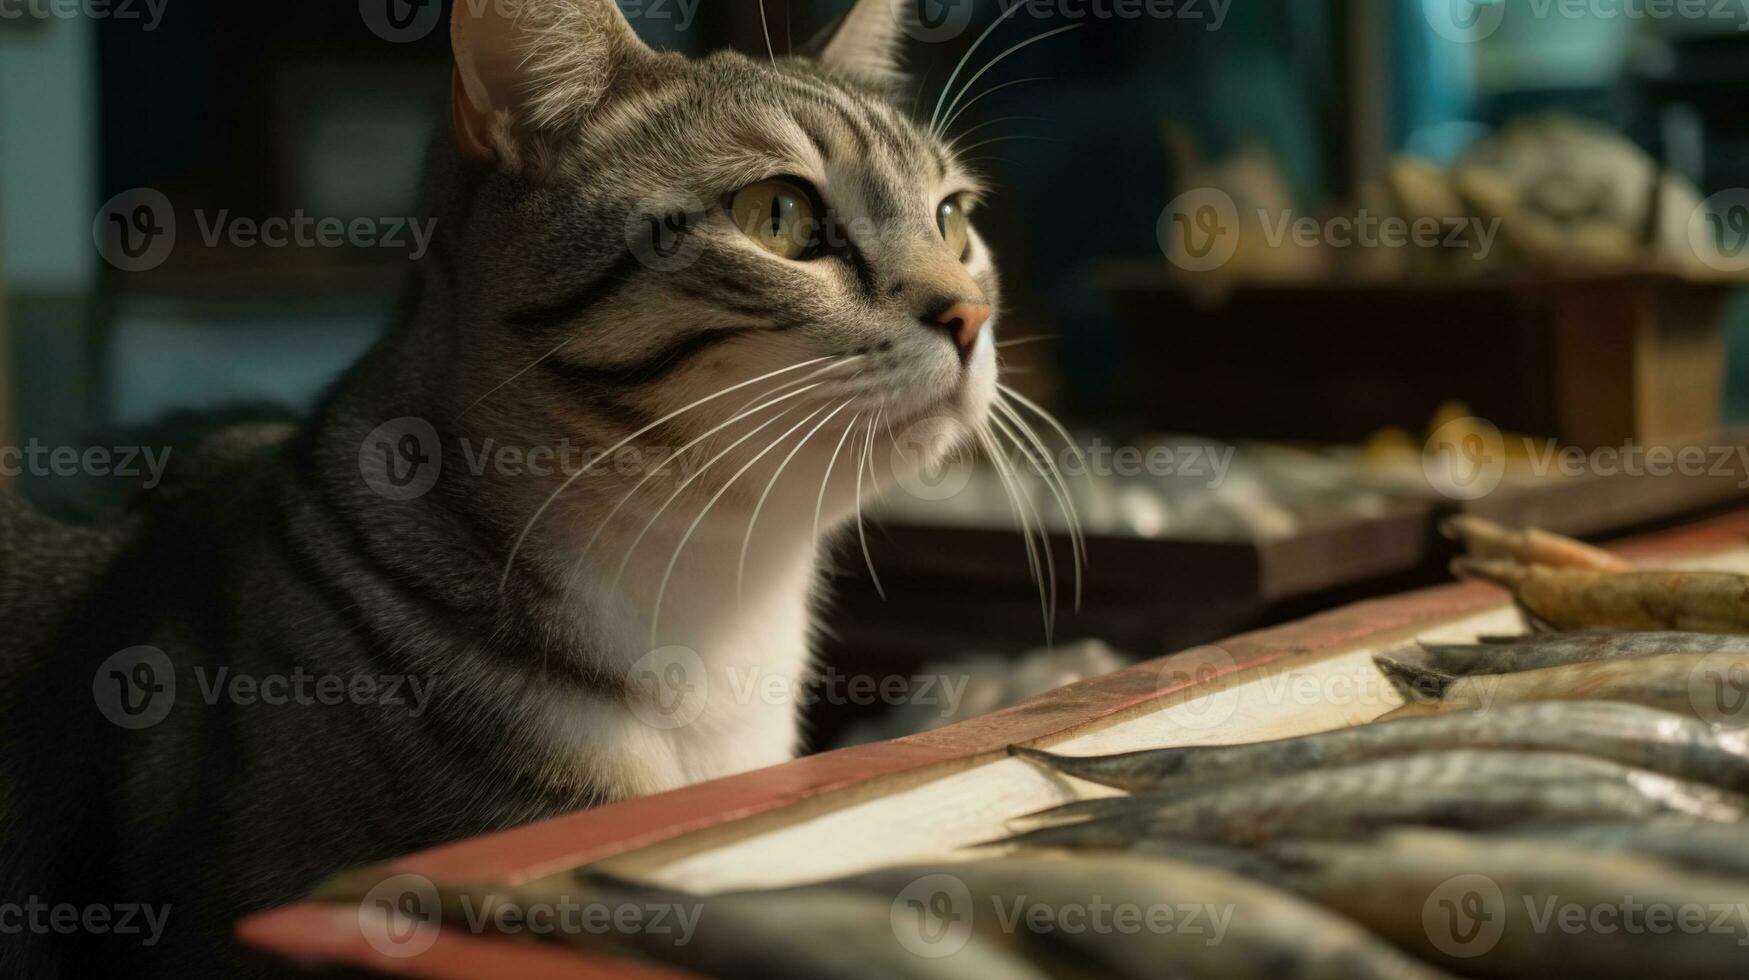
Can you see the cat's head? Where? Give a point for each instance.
(649, 230)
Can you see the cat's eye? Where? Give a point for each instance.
(777, 215)
(956, 228)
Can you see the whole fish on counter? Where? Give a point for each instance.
(1712, 687)
(1509, 655)
(1580, 599)
(1697, 845)
(822, 932)
(1490, 908)
(1645, 738)
(1222, 925)
(1530, 546)
(1467, 789)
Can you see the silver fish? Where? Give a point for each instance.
(1632, 735)
(1183, 920)
(1712, 687)
(1470, 789)
(1696, 845)
(1529, 909)
(1508, 655)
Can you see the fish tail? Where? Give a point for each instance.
(1417, 684)
(1078, 836)
(1508, 575)
(1094, 769)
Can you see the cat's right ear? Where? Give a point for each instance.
(526, 67)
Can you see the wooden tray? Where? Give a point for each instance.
(923, 798)
(1592, 361)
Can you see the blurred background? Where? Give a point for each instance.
(1582, 164)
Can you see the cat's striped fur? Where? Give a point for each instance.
(540, 319)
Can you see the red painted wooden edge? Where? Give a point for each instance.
(317, 933)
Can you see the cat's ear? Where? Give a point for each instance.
(864, 44)
(527, 66)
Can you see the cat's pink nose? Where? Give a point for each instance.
(964, 321)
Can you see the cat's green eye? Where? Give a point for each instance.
(956, 229)
(777, 215)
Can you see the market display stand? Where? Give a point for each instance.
(925, 797)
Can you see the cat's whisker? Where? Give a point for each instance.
(1048, 553)
(769, 51)
(1047, 469)
(1056, 426)
(1004, 55)
(675, 455)
(867, 460)
(500, 386)
(673, 562)
(753, 521)
(1008, 139)
(516, 548)
(820, 503)
(947, 126)
(1040, 338)
(655, 518)
(1018, 503)
(966, 58)
(657, 470)
(986, 124)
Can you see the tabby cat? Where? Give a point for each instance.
(393, 626)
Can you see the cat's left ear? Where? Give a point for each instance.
(864, 44)
(527, 67)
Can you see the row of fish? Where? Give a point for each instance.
(1520, 814)
(1454, 844)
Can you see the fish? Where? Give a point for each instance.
(1488, 908)
(1486, 539)
(1054, 899)
(1633, 735)
(1467, 789)
(1711, 687)
(1567, 599)
(826, 932)
(1696, 845)
(1507, 655)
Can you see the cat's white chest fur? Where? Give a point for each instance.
(716, 693)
